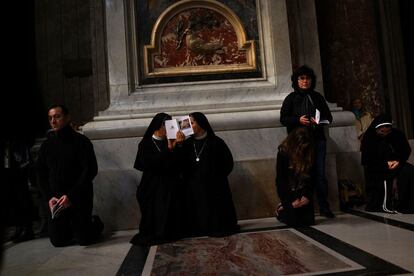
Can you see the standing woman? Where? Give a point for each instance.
(207, 162)
(299, 110)
(158, 192)
(294, 180)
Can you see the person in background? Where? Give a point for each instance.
(1, 245)
(40, 201)
(362, 117)
(66, 167)
(206, 166)
(18, 199)
(294, 179)
(299, 110)
(390, 178)
(362, 121)
(159, 192)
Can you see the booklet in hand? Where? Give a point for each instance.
(56, 209)
(182, 123)
(318, 118)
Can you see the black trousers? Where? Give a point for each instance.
(17, 198)
(74, 226)
(405, 184)
(296, 217)
(404, 202)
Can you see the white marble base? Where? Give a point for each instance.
(252, 181)
(115, 201)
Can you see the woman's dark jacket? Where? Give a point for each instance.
(297, 104)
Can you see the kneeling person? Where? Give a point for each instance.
(295, 178)
(65, 168)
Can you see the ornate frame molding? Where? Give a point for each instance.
(244, 45)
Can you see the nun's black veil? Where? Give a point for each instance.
(380, 119)
(202, 121)
(370, 137)
(156, 123)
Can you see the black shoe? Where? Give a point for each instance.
(26, 235)
(44, 232)
(370, 208)
(327, 214)
(17, 233)
(44, 229)
(98, 224)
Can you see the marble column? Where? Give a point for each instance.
(347, 29)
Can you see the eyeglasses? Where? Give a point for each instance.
(304, 78)
(55, 116)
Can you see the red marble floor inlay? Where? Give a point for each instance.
(277, 252)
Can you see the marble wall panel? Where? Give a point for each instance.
(343, 139)
(349, 167)
(113, 154)
(332, 178)
(253, 144)
(115, 200)
(252, 180)
(253, 188)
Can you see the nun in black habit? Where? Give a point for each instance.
(208, 200)
(390, 179)
(158, 193)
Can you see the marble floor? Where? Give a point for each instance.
(354, 243)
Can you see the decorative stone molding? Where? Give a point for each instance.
(198, 37)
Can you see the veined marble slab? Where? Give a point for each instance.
(276, 252)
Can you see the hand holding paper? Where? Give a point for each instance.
(182, 124)
(318, 118)
(56, 210)
(57, 205)
(52, 202)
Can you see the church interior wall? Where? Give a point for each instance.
(240, 110)
(245, 113)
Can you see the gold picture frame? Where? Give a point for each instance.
(190, 20)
